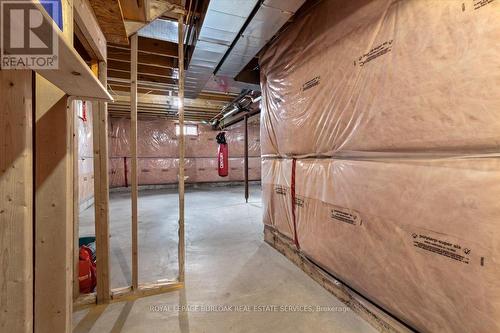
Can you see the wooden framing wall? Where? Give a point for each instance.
(104, 293)
(16, 205)
(147, 289)
(38, 216)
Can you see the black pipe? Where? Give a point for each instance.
(240, 33)
(246, 158)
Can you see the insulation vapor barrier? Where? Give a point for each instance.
(158, 152)
(391, 178)
(85, 150)
(384, 75)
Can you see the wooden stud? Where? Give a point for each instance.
(76, 207)
(101, 192)
(16, 201)
(133, 151)
(53, 238)
(181, 249)
(54, 210)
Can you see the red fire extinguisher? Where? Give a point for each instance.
(222, 155)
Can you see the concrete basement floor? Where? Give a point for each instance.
(227, 265)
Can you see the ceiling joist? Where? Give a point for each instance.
(151, 46)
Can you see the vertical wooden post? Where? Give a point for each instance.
(133, 150)
(181, 249)
(53, 209)
(76, 205)
(54, 201)
(101, 191)
(246, 158)
(16, 201)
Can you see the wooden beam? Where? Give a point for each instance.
(158, 8)
(82, 46)
(142, 84)
(110, 16)
(165, 100)
(217, 96)
(144, 290)
(134, 10)
(142, 77)
(133, 150)
(133, 27)
(159, 47)
(143, 59)
(143, 69)
(101, 192)
(127, 294)
(181, 246)
(171, 112)
(89, 26)
(144, 88)
(151, 46)
(141, 89)
(164, 111)
(156, 116)
(16, 201)
(73, 76)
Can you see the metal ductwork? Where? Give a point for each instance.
(269, 16)
(248, 101)
(233, 32)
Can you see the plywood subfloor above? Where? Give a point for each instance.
(110, 16)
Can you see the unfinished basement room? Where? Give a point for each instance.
(250, 166)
